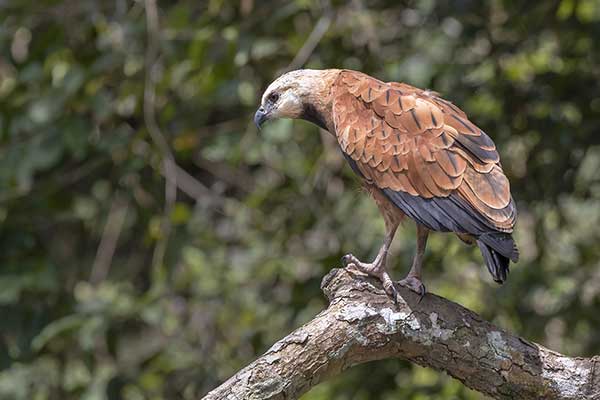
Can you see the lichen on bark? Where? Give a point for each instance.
(362, 324)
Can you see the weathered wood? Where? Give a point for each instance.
(362, 324)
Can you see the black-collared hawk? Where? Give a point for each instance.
(417, 154)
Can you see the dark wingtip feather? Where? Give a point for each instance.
(503, 243)
(497, 264)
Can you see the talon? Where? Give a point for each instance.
(347, 260)
(423, 292)
(395, 295)
(389, 287)
(375, 269)
(415, 285)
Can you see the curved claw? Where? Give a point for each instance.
(346, 260)
(415, 285)
(423, 292)
(376, 269)
(390, 288)
(350, 262)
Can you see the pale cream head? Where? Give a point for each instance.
(291, 94)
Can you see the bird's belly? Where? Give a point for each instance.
(391, 213)
(394, 215)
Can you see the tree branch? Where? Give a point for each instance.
(362, 324)
(313, 39)
(168, 160)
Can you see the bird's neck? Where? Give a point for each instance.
(318, 101)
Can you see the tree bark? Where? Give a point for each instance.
(362, 324)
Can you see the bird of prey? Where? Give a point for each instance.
(417, 154)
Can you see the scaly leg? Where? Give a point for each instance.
(377, 268)
(413, 279)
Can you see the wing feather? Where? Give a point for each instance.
(410, 141)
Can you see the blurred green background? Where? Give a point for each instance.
(90, 307)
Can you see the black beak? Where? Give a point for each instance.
(260, 117)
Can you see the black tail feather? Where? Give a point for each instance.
(496, 263)
(503, 243)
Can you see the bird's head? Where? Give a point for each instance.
(295, 95)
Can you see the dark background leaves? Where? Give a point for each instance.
(267, 214)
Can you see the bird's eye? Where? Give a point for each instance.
(273, 97)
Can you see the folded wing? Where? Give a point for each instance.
(424, 153)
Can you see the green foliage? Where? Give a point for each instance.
(269, 212)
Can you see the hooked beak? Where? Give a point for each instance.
(260, 117)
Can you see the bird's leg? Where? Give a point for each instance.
(413, 279)
(377, 268)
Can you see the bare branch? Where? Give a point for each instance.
(189, 185)
(110, 237)
(158, 138)
(311, 42)
(361, 324)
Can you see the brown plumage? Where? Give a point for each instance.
(417, 154)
